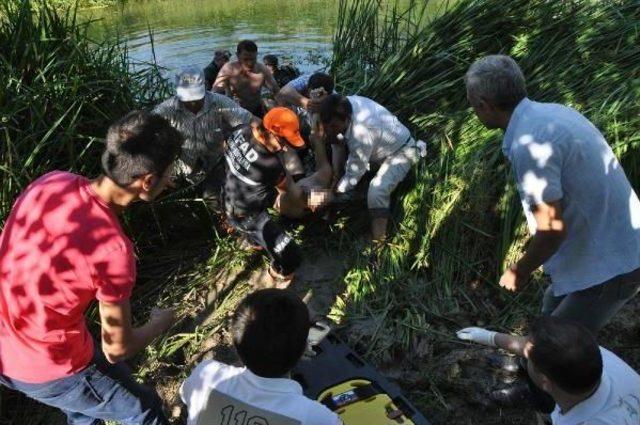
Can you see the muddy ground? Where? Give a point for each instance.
(448, 388)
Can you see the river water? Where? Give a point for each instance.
(188, 31)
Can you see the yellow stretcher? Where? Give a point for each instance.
(337, 377)
(358, 401)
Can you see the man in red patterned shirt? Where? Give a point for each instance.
(61, 248)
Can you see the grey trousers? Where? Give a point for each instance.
(392, 171)
(593, 307)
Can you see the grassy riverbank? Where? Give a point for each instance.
(458, 221)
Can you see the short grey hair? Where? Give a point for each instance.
(498, 80)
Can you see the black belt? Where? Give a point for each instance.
(405, 143)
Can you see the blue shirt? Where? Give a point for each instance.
(558, 155)
(301, 83)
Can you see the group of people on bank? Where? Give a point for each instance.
(62, 246)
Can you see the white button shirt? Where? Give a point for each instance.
(373, 136)
(557, 154)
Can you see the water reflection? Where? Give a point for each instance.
(188, 31)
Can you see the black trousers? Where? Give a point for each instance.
(261, 229)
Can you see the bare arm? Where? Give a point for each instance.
(270, 82)
(221, 84)
(288, 95)
(518, 345)
(550, 233)
(120, 340)
(511, 343)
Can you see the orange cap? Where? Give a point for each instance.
(283, 122)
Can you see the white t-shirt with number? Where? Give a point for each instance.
(615, 402)
(219, 394)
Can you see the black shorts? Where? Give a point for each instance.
(261, 229)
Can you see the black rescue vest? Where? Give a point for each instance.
(251, 176)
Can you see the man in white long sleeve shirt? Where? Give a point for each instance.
(373, 135)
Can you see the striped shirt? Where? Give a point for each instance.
(205, 131)
(374, 134)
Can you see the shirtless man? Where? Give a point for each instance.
(243, 79)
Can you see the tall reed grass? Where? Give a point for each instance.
(59, 90)
(461, 220)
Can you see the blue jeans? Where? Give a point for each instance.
(102, 391)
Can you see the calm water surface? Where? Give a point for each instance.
(188, 31)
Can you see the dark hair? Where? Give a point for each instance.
(320, 79)
(247, 46)
(271, 60)
(335, 106)
(566, 353)
(137, 144)
(270, 330)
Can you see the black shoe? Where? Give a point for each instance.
(508, 364)
(517, 394)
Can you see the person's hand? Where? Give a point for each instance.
(162, 318)
(513, 279)
(313, 105)
(319, 198)
(478, 335)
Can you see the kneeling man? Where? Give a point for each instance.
(373, 135)
(257, 180)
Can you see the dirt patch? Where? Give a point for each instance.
(447, 382)
(316, 282)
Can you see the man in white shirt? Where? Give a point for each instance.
(581, 209)
(373, 135)
(589, 384)
(270, 330)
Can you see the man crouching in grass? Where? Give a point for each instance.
(258, 179)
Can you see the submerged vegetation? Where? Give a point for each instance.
(458, 220)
